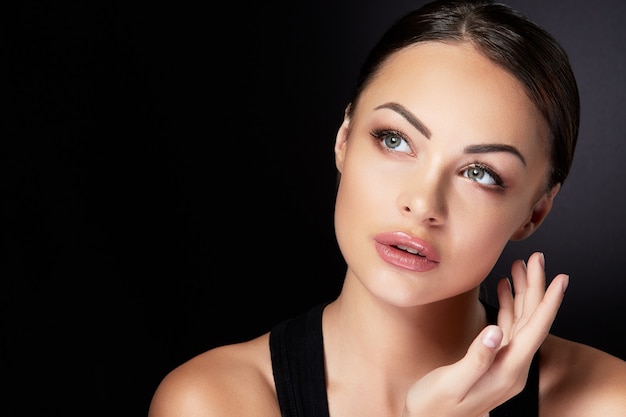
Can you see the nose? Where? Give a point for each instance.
(424, 198)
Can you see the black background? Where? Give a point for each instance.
(168, 184)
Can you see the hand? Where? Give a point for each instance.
(496, 365)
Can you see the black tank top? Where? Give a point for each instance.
(297, 350)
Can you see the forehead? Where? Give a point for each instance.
(455, 90)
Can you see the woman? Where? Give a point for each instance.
(459, 135)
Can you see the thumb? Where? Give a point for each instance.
(490, 338)
(480, 356)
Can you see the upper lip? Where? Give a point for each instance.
(405, 241)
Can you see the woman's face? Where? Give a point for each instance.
(444, 161)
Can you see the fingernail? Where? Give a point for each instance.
(565, 283)
(542, 260)
(492, 337)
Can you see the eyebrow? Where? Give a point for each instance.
(410, 117)
(495, 147)
(472, 149)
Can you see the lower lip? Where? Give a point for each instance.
(404, 259)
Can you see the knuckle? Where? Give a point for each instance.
(514, 384)
(483, 359)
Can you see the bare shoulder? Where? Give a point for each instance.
(579, 380)
(232, 380)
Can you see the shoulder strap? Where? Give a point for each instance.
(297, 351)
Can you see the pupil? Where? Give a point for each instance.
(392, 141)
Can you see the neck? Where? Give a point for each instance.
(412, 339)
(377, 350)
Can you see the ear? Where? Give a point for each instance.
(341, 140)
(537, 214)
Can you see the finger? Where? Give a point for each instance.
(543, 316)
(479, 358)
(508, 372)
(529, 337)
(535, 284)
(506, 315)
(518, 276)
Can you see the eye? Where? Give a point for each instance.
(392, 140)
(482, 175)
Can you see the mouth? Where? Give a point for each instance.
(405, 251)
(409, 250)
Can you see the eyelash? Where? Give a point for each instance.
(499, 183)
(380, 134)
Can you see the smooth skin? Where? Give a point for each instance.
(398, 342)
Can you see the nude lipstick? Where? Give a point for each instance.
(405, 251)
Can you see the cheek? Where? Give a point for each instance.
(360, 197)
(355, 194)
(346, 215)
(473, 253)
(490, 223)
(478, 236)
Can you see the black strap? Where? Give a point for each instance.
(297, 350)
